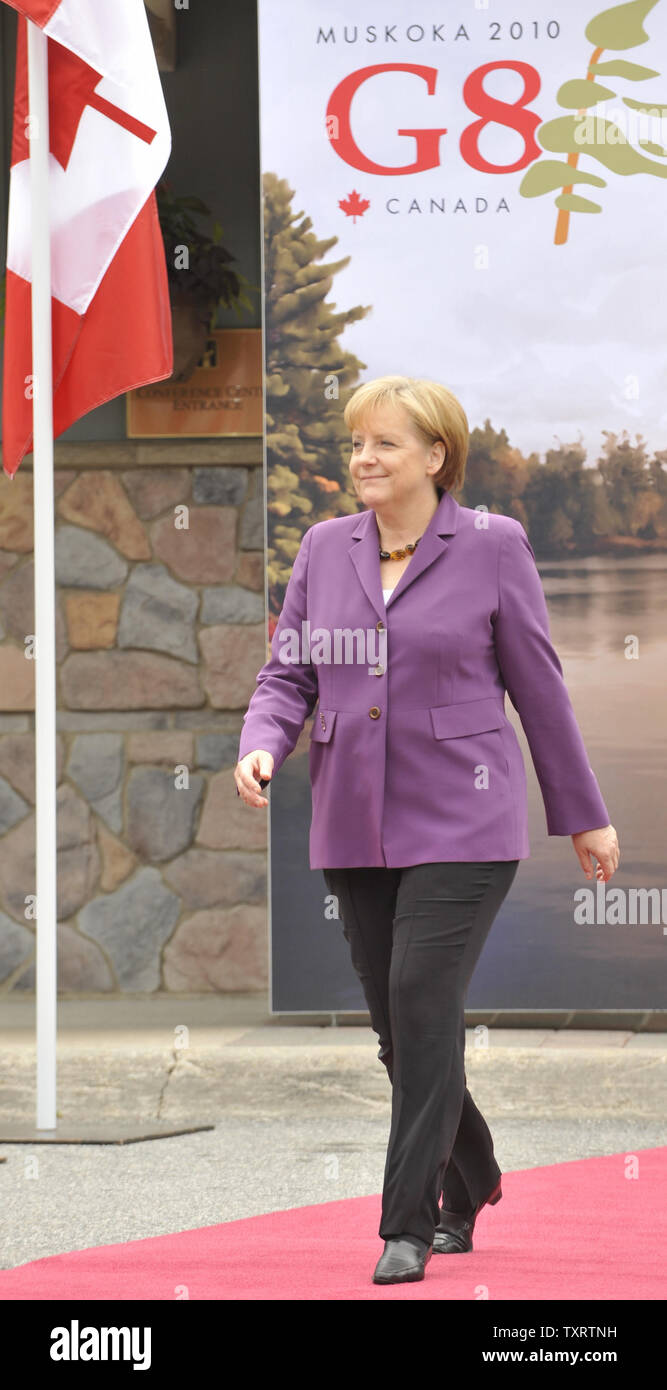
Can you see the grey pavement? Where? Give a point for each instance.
(301, 1112)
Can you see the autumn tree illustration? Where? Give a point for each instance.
(496, 473)
(566, 506)
(616, 29)
(636, 488)
(309, 377)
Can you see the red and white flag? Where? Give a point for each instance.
(109, 143)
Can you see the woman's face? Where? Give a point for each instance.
(388, 461)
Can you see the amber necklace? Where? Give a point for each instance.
(402, 551)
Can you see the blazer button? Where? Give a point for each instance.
(375, 712)
(322, 721)
(379, 627)
(378, 671)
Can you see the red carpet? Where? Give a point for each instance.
(578, 1230)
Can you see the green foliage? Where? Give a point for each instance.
(208, 278)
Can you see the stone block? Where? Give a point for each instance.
(96, 765)
(77, 858)
(131, 925)
(231, 604)
(217, 750)
(17, 762)
(12, 806)
(127, 680)
(17, 607)
(7, 562)
(250, 570)
(160, 815)
(92, 620)
(16, 514)
(233, 655)
(226, 822)
(118, 862)
(159, 613)
(219, 950)
(153, 491)
(98, 501)
(251, 534)
(81, 965)
(62, 477)
(17, 679)
(222, 487)
(202, 553)
(162, 746)
(209, 878)
(16, 944)
(86, 561)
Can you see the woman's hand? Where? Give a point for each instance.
(604, 845)
(247, 775)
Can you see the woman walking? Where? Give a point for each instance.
(421, 615)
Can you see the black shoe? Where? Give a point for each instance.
(453, 1234)
(403, 1261)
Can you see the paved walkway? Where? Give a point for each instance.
(300, 1113)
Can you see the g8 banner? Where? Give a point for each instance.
(474, 194)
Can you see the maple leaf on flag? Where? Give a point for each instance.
(109, 141)
(72, 84)
(354, 206)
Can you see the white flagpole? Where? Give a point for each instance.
(45, 607)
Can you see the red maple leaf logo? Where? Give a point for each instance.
(354, 206)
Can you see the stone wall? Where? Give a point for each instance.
(160, 631)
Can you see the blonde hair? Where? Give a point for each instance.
(435, 413)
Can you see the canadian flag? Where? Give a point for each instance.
(109, 141)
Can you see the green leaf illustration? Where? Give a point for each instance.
(653, 148)
(573, 203)
(546, 174)
(656, 108)
(621, 26)
(620, 67)
(607, 143)
(581, 94)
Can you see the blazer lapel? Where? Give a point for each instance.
(364, 551)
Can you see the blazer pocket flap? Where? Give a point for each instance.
(476, 717)
(323, 725)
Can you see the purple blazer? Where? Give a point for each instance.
(412, 757)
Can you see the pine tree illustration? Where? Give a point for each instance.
(618, 28)
(309, 377)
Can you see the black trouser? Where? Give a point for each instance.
(415, 936)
